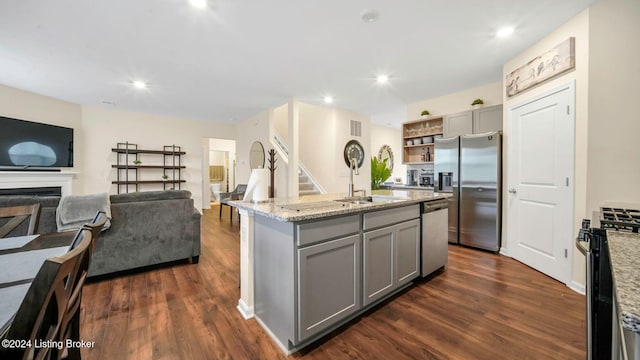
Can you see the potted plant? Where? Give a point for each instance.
(379, 172)
(424, 113)
(137, 162)
(165, 177)
(477, 103)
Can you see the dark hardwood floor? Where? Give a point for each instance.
(483, 306)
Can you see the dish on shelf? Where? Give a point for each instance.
(427, 140)
(417, 141)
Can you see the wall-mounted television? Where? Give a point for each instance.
(26, 144)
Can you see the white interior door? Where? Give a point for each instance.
(540, 191)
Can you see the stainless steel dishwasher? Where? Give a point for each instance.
(435, 241)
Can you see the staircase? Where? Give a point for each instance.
(306, 187)
(306, 184)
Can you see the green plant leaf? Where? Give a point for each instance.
(379, 172)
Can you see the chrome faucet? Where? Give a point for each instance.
(353, 167)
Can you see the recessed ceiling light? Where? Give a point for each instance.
(200, 4)
(370, 16)
(382, 79)
(328, 99)
(504, 32)
(139, 84)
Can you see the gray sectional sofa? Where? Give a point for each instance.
(147, 228)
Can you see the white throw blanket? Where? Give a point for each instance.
(76, 210)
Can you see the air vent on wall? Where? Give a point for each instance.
(356, 128)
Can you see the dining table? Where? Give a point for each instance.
(20, 260)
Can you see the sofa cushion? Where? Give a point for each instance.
(150, 196)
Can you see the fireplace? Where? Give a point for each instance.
(36, 183)
(34, 191)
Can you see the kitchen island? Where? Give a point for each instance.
(624, 252)
(320, 261)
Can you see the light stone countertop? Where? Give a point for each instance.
(624, 251)
(321, 206)
(408, 187)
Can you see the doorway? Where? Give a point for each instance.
(219, 169)
(540, 198)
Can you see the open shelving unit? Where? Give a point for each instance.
(415, 151)
(128, 173)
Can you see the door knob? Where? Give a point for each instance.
(512, 191)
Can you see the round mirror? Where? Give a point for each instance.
(354, 150)
(386, 153)
(256, 156)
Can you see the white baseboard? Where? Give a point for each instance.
(245, 310)
(285, 349)
(504, 251)
(577, 287)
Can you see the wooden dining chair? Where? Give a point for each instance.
(17, 215)
(39, 317)
(70, 326)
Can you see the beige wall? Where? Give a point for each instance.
(457, 102)
(257, 128)
(614, 86)
(25, 105)
(324, 132)
(97, 130)
(381, 135)
(103, 128)
(577, 27)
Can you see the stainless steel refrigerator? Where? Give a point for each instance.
(475, 181)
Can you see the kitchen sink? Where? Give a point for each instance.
(368, 199)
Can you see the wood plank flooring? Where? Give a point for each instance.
(484, 306)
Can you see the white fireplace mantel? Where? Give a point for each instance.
(33, 179)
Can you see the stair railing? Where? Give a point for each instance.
(282, 149)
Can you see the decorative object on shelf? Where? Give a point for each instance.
(137, 162)
(165, 177)
(385, 153)
(425, 113)
(354, 150)
(542, 68)
(477, 103)
(272, 170)
(256, 156)
(380, 172)
(418, 136)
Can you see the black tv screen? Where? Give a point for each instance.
(27, 144)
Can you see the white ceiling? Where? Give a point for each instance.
(238, 57)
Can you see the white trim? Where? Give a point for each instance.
(504, 252)
(245, 310)
(246, 302)
(577, 287)
(34, 179)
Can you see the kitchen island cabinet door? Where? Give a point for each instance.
(407, 252)
(378, 263)
(329, 283)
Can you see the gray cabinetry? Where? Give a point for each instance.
(391, 255)
(328, 284)
(378, 260)
(473, 121)
(407, 252)
(487, 119)
(458, 124)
